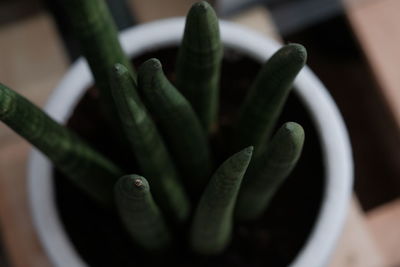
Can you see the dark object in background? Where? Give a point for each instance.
(121, 13)
(11, 10)
(289, 15)
(3, 256)
(120, 10)
(337, 60)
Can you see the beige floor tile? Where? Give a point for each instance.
(384, 223)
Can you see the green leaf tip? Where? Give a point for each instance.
(202, 10)
(151, 72)
(153, 64)
(270, 171)
(267, 96)
(248, 151)
(140, 214)
(296, 52)
(199, 63)
(213, 220)
(239, 162)
(202, 34)
(120, 69)
(179, 125)
(291, 137)
(201, 6)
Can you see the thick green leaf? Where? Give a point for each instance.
(267, 96)
(178, 122)
(199, 63)
(270, 171)
(148, 146)
(87, 168)
(140, 214)
(212, 224)
(97, 34)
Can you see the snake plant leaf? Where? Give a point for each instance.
(178, 123)
(88, 169)
(140, 214)
(212, 224)
(149, 148)
(270, 171)
(267, 97)
(199, 62)
(97, 34)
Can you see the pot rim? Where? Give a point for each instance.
(325, 115)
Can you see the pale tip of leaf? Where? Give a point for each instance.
(119, 68)
(249, 149)
(138, 182)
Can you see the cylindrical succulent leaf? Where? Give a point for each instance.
(270, 171)
(148, 146)
(212, 224)
(267, 96)
(199, 63)
(140, 214)
(178, 122)
(97, 34)
(88, 169)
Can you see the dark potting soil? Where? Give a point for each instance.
(273, 240)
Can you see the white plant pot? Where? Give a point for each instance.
(324, 114)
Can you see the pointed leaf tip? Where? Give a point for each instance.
(297, 52)
(201, 6)
(293, 130)
(151, 74)
(119, 69)
(152, 63)
(292, 136)
(293, 127)
(243, 157)
(133, 184)
(249, 150)
(150, 67)
(202, 10)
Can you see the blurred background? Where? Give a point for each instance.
(352, 46)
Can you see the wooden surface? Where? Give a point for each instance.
(384, 225)
(376, 25)
(357, 247)
(150, 10)
(33, 64)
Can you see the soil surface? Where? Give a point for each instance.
(274, 240)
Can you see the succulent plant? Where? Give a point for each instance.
(180, 185)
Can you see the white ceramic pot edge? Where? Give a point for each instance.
(325, 115)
